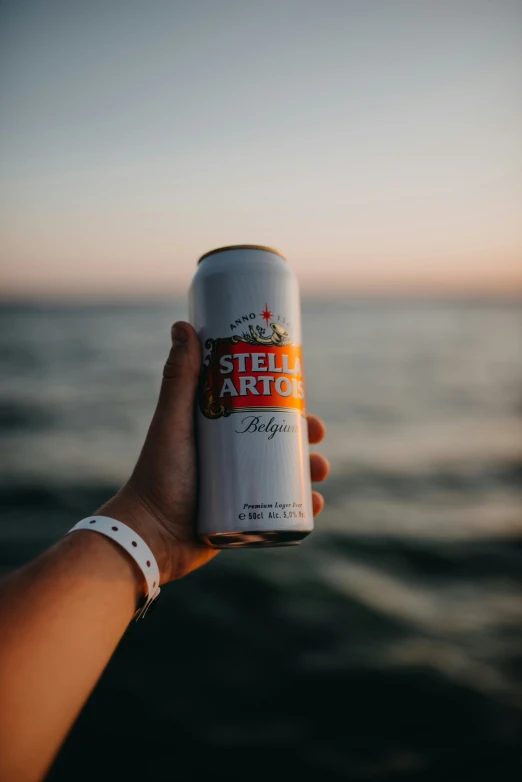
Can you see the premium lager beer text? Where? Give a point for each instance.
(254, 474)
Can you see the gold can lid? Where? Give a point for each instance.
(243, 247)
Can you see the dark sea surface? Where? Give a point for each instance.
(388, 646)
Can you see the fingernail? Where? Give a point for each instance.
(178, 335)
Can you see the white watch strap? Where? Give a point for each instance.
(134, 546)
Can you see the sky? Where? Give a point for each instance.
(376, 143)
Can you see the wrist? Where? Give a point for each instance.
(108, 556)
(127, 507)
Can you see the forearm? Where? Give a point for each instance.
(61, 618)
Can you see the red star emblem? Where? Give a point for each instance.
(266, 315)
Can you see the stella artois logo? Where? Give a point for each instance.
(259, 370)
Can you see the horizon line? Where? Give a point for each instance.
(346, 294)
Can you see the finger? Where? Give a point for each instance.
(180, 377)
(317, 502)
(319, 467)
(316, 429)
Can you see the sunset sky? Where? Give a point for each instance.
(376, 143)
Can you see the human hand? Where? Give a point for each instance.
(159, 499)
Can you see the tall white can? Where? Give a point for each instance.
(254, 472)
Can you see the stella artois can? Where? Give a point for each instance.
(254, 473)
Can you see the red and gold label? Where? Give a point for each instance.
(252, 372)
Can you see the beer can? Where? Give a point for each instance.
(252, 438)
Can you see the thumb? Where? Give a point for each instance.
(180, 377)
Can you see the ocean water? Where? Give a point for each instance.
(388, 645)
